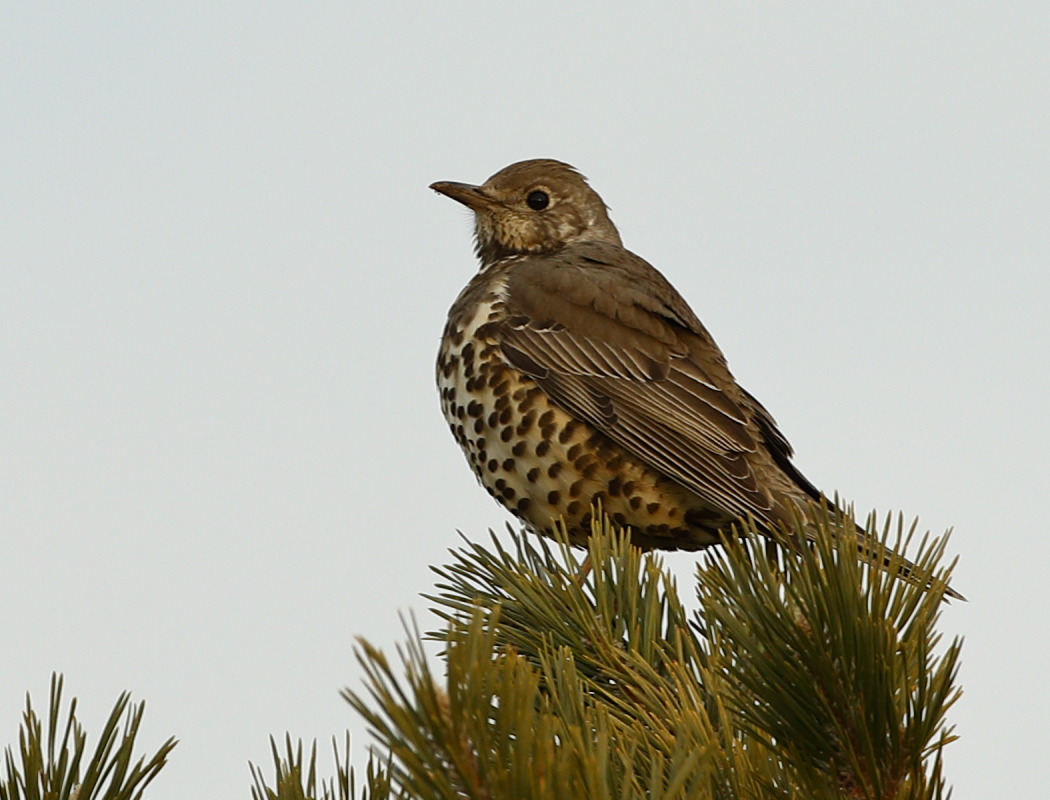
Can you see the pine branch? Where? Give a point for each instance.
(50, 767)
(294, 780)
(805, 674)
(813, 672)
(830, 660)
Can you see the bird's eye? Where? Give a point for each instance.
(538, 200)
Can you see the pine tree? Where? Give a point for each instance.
(813, 673)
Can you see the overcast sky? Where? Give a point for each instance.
(223, 279)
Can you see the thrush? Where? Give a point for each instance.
(572, 372)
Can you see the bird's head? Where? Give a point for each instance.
(537, 206)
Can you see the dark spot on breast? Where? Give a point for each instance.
(533, 474)
(553, 498)
(573, 508)
(546, 419)
(614, 487)
(493, 465)
(566, 432)
(493, 419)
(554, 469)
(479, 425)
(542, 448)
(574, 451)
(636, 502)
(507, 433)
(500, 484)
(475, 409)
(502, 402)
(526, 423)
(519, 448)
(505, 416)
(628, 488)
(652, 508)
(467, 352)
(576, 489)
(523, 504)
(508, 493)
(508, 465)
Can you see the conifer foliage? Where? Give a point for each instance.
(53, 762)
(813, 672)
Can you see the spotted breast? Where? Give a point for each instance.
(532, 456)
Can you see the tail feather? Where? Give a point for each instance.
(872, 547)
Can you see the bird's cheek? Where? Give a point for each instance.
(516, 234)
(568, 228)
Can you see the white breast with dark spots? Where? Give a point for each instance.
(532, 456)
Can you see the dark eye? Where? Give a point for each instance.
(538, 200)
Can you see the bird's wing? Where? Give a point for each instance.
(610, 341)
(778, 446)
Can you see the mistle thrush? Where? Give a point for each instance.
(571, 371)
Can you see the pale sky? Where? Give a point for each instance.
(223, 279)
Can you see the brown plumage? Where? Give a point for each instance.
(571, 371)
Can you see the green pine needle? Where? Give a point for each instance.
(806, 672)
(49, 767)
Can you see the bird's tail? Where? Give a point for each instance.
(873, 546)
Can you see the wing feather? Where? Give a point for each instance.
(611, 342)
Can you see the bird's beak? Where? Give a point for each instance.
(469, 195)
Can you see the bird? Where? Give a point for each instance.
(572, 374)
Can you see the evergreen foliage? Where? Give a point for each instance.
(812, 672)
(816, 674)
(49, 767)
(296, 781)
